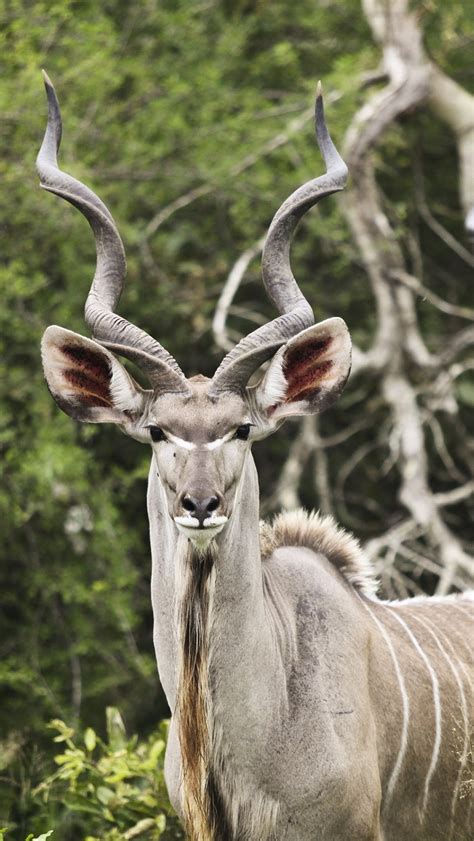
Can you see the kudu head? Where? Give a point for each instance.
(200, 429)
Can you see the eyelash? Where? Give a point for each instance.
(157, 434)
(242, 432)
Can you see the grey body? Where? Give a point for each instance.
(283, 695)
(303, 708)
(304, 688)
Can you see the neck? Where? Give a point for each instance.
(209, 625)
(237, 597)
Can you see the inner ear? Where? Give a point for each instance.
(305, 365)
(89, 374)
(87, 381)
(308, 373)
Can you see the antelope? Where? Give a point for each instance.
(303, 707)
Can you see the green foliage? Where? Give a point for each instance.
(109, 789)
(41, 837)
(30, 837)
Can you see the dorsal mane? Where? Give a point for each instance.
(322, 535)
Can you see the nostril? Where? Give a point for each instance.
(188, 503)
(212, 504)
(200, 507)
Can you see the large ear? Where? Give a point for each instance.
(308, 373)
(87, 381)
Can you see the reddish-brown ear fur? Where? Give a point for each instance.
(86, 380)
(303, 371)
(89, 375)
(308, 374)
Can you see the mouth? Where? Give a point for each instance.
(200, 534)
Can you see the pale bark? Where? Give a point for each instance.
(229, 291)
(399, 34)
(455, 106)
(413, 81)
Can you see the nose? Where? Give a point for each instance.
(201, 508)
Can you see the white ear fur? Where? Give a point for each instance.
(308, 373)
(87, 381)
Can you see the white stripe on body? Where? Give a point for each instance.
(436, 703)
(468, 611)
(469, 681)
(466, 648)
(427, 624)
(405, 706)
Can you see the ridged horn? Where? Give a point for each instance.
(296, 314)
(110, 329)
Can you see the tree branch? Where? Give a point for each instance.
(280, 139)
(229, 290)
(410, 76)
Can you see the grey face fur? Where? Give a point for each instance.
(200, 438)
(302, 707)
(199, 457)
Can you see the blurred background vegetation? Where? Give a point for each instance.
(172, 112)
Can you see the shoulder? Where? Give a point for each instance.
(325, 537)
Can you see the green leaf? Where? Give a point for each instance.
(161, 822)
(115, 729)
(80, 803)
(90, 739)
(105, 795)
(65, 732)
(42, 837)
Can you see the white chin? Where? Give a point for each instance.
(201, 537)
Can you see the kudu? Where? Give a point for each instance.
(303, 707)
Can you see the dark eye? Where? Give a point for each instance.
(243, 431)
(156, 433)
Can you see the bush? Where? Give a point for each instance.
(110, 790)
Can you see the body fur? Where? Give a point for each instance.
(218, 802)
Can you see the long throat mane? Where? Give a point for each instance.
(204, 812)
